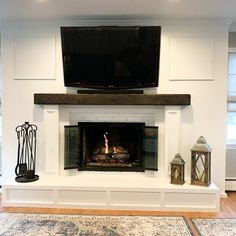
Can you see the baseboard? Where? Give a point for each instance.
(223, 195)
(230, 185)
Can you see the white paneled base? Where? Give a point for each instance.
(89, 192)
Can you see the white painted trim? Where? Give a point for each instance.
(182, 65)
(172, 135)
(48, 56)
(51, 123)
(230, 185)
(223, 195)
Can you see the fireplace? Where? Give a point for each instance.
(109, 190)
(109, 146)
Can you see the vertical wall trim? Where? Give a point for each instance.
(51, 121)
(172, 134)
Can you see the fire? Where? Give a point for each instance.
(106, 142)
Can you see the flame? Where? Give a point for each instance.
(106, 142)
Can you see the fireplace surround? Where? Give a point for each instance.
(108, 189)
(111, 146)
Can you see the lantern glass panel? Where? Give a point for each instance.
(200, 167)
(176, 173)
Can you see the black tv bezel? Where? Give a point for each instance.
(111, 86)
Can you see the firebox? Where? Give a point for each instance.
(110, 146)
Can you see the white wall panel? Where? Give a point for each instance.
(34, 57)
(32, 196)
(191, 58)
(83, 197)
(174, 199)
(135, 198)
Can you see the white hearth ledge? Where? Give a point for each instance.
(118, 192)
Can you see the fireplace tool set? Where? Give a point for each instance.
(26, 153)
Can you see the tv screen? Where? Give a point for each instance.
(111, 57)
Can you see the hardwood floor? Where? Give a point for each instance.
(227, 210)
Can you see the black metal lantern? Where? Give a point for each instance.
(26, 153)
(201, 163)
(177, 170)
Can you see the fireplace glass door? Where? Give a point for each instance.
(108, 146)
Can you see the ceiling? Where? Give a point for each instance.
(74, 9)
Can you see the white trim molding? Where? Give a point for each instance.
(192, 58)
(34, 57)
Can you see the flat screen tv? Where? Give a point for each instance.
(111, 57)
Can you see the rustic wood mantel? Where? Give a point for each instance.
(111, 99)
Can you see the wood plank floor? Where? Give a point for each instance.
(227, 210)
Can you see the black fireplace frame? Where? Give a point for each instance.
(148, 143)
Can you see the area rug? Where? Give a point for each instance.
(215, 227)
(84, 225)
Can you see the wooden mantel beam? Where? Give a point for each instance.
(112, 99)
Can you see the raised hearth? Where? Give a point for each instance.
(111, 192)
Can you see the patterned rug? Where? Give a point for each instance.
(215, 227)
(69, 225)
